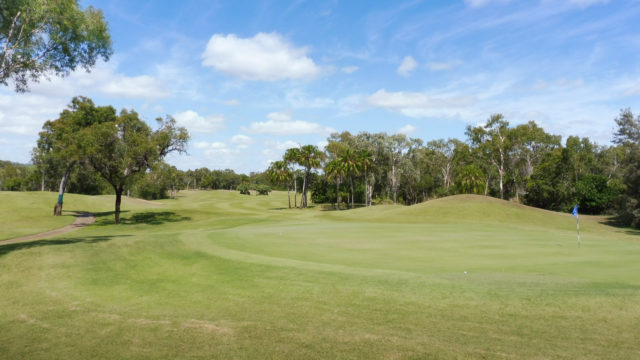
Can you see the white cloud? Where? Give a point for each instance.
(241, 141)
(215, 148)
(279, 116)
(420, 105)
(141, 87)
(196, 123)
(407, 66)
(407, 130)
(274, 150)
(282, 123)
(264, 57)
(350, 69)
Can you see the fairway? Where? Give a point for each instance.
(216, 274)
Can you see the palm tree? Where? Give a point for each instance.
(310, 157)
(291, 157)
(280, 173)
(335, 172)
(349, 162)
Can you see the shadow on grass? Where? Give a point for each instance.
(615, 222)
(293, 208)
(8, 248)
(147, 217)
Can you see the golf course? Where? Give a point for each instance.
(219, 275)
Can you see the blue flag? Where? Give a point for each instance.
(575, 211)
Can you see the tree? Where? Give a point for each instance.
(121, 149)
(628, 137)
(280, 173)
(309, 157)
(40, 37)
(444, 152)
(335, 171)
(366, 162)
(396, 146)
(350, 164)
(58, 143)
(494, 141)
(290, 158)
(530, 144)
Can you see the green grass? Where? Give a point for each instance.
(222, 275)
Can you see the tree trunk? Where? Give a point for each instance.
(295, 191)
(303, 199)
(486, 187)
(289, 196)
(501, 188)
(42, 181)
(351, 182)
(118, 202)
(57, 210)
(338, 199)
(366, 190)
(394, 184)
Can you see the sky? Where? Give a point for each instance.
(250, 79)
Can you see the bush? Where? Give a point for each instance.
(244, 189)
(263, 189)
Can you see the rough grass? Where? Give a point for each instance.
(223, 275)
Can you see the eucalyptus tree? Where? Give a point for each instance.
(530, 144)
(43, 37)
(396, 146)
(58, 142)
(494, 141)
(367, 163)
(444, 152)
(627, 136)
(120, 150)
(280, 173)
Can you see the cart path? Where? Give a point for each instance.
(82, 220)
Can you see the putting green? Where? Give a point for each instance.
(221, 275)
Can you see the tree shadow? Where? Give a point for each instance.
(147, 217)
(615, 222)
(8, 248)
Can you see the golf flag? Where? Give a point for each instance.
(575, 214)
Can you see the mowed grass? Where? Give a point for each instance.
(222, 275)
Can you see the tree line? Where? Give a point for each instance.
(523, 163)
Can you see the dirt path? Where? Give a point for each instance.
(82, 220)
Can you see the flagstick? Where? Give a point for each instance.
(578, 227)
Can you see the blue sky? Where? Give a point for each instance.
(250, 79)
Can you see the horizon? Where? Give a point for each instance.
(250, 82)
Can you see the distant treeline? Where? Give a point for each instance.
(523, 163)
(162, 181)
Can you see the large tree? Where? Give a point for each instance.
(58, 143)
(494, 141)
(126, 147)
(309, 157)
(43, 37)
(627, 136)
